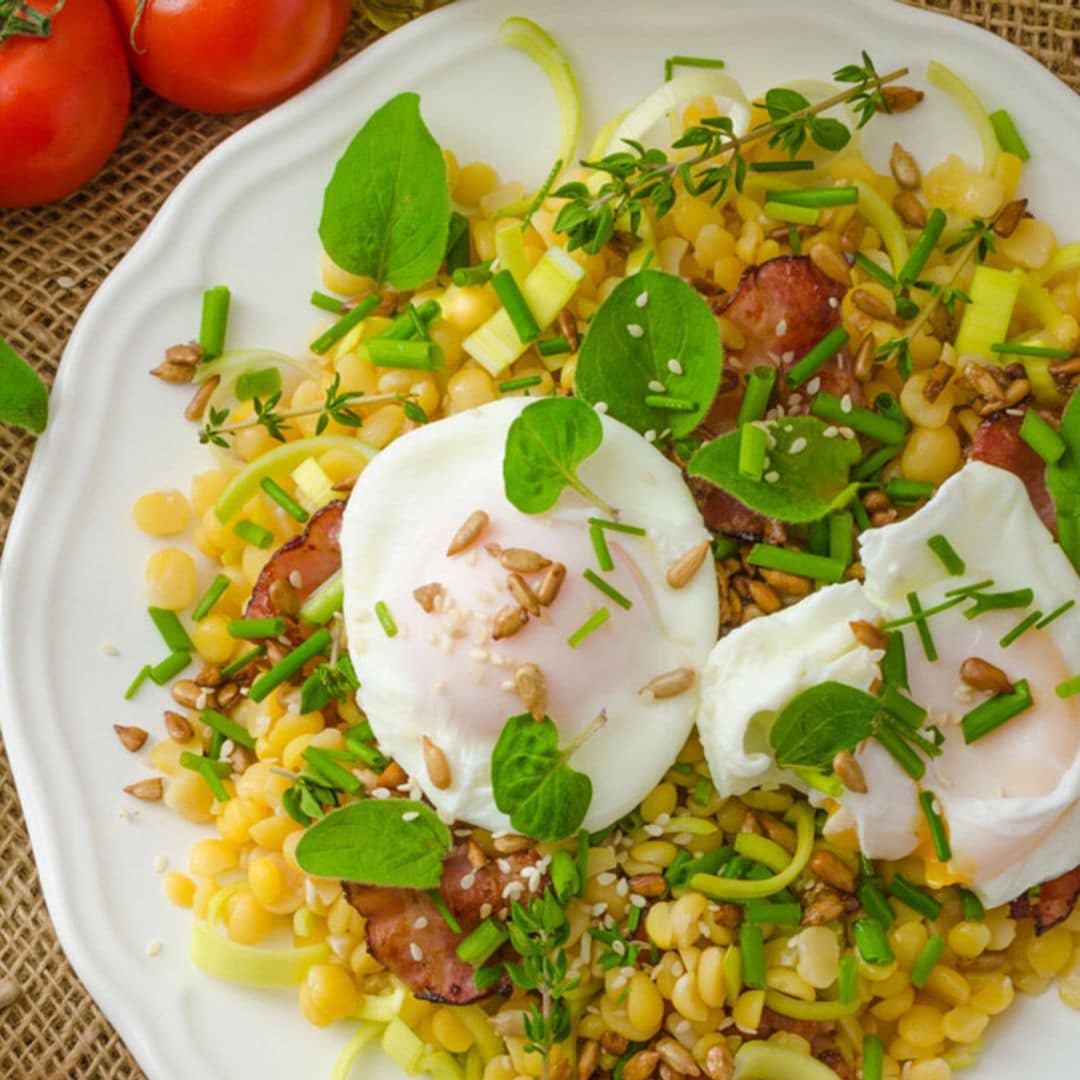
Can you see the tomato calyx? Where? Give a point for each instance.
(18, 19)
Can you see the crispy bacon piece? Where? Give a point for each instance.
(997, 442)
(1054, 905)
(723, 513)
(433, 969)
(313, 556)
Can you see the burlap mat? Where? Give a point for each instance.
(51, 261)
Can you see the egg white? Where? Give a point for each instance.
(1012, 799)
(442, 677)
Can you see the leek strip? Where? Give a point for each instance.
(486, 1039)
(403, 1046)
(215, 910)
(510, 248)
(441, 1066)
(946, 79)
(474, 1065)
(381, 1008)
(764, 1061)
(1037, 299)
(283, 458)
(324, 601)
(523, 34)
(365, 1034)
(733, 889)
(889, 226)
(1063, 260)
(249, 965)
(603, 139)
(241, 361)
(798, 1009)
(763, 850)
(986, 319)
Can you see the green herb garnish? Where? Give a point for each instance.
(24, 401)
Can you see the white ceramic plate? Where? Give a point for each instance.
(72, 577)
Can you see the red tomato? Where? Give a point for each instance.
(228, 56)
(64, 100)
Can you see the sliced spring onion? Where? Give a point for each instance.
(333, 334)
(248, 629)
(609, 591)
(952, 84)
(818, 356)
(1041, 437)
(411, 355)
(759, 385)
(1068, 688)
(290, 665)
(938, 833)
(873, 463)
(171, 629)
(386, 620)
(927, 960)
(904, 709)
(793, 214)
(215, 321)
(871, 942)
(403, 1046)
(782, 166)
(141, 677)
(509, 292)
(753, 447)
(483, 942)
(866, 422)
(212, 595)
(249, 965)
(242, 662)
(1021, 348)
(887, 223)
(672, 62)
(796, 562)
(253, 534)
(875, 903)
(898, 747)
(902, 490)
(556, 346)
(914, 897)
(941, 547)
(991, 714)
(329, 597)
(894, 662)
(1001, 601)
(366, 1033)
(479, 274)
(1009, 139)
(872, 270)
(765, 912)
(842, 537)
(673, 404)
(403, 328)
(170, 667)
(618, 526)
(848, 981)
(510, 251)
(325, 763)
(333, 304)
(846, 195)
(591, 624)
(986, 319)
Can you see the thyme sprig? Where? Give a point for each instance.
(538, 933)
(336, 405)
(640, 178)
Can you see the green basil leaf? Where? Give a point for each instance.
(24, 401)
(532, 783)
(648, 321)
(545, 444)
(386, 211)
(372, 842)
(809, 483)
(820, 722)
(1063, 479)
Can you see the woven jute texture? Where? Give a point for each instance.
(51, 261)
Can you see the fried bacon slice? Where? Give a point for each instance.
(299, 567)
(406, 933)
(997, 442)
(1055, 902)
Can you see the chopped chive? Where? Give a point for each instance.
(842, 537)
(752, 947)
(327, 599)
(875, 903)
(724, 547)
(848, 981)
(922, 627)
(368, 755)
(793, 215)
(970, 590)
(618, 526)
(901, 751)
(796, 562)
(241, 662)
(873, 1058)
(419, 325)
(1008, 137)
(482, 943)
(564, 875)
(819, 355)
(1022, 627)
(555, 346)
(672, 62)
(386, 620)
(212, 595)
(991, 714)
(609, 591)
(703, 791)
(888, 406)
(405, 353)
(938, 833)
(894, 662)
(1068, 688)
(229, 728)
(924, 247)
(272, 626)
(937, 609)
(215, 320)
(479, 274)
(211, 771)
(171, 666)
(818, 537)
(542, 193)
(581, 858)
(871, 942)
(1020, 348)
(1042, 438)
(914, 897)
(906, 308)
(764, 912)
(287, 503)
(908, 491)
(350, 319)
(171, 629)
(816, 197)
(866, 422)
(672, 404)
(458, 248)
(927, 960)
(325, 763)
(257, 384)
(253, 534)
(862, 518)
(971, 906)
(591, 624)
(781, 166)
(140, 678)
(871, 269)
(328, 303)
(600, 547)
(875, 462)
(904, 709)
(941, 547)
(753, 445)
(633, 919)
(1056, 614)
(795, 240)
(520, 384)
(289, 665)
(759, 386)
(524, 322)
(1001, 601)
(403, 328)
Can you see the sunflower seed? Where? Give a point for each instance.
(469, 533)
(905, 168)
(150, 790)
(911, 210)
(426, 595)
(523, 594)
(177, 727)
(523, 560)
(831, 263)
(551, 584)
(670, 684)
(438, 767)
(509, 621)
(131, 738)
(849, 772)
(982, 675)
(531, 687)
(687, 565)
(1011, 215)
(901, 98)
(866, 633)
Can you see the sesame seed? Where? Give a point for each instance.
(845, 403)
(622, 887)
(416, 952)
(513, 891)
(504, 866)
(830, 432)
(662, 820)
(601, 406)
(650, 435)
(674, 366)
(154, 948)
(635, 330)
(599, 909)
(618, 948)
(606, 878)
(814, 385)
(468, 881)
(380, 793)
(656, 386)
(420, 923)
(638, 901)
(410, 815)
(794, 401)
(833, 302)
(682, 839)
(296, 579)
(797, 446)
(847, 433)
(781, 328)
(772, 476)
(160, 864)
(642, 299)
(654, 830)
(66, 281)
(109, 649)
